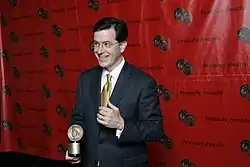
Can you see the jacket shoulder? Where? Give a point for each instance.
(89, 72)
(141, 77)
(140, 74)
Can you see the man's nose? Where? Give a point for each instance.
(100, 49)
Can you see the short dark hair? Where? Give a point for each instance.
(120, 27)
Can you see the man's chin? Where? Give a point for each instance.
(103, 65)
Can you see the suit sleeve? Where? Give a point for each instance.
(149, 126)
(77, 116)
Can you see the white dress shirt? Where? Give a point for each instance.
(115, 74)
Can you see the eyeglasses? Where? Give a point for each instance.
(105, 44)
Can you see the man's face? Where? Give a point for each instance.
(107, 50)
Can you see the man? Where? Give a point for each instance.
(115, 133)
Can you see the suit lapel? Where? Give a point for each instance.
(120, 88)
(95, 88)
(121, 85)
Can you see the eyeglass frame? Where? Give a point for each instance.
(102, 44)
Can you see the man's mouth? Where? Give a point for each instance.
(102, 57)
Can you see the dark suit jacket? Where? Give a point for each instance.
(136, 96)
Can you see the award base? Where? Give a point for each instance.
(74, 149)
(74, 155)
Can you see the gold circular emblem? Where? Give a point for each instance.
(75, 133)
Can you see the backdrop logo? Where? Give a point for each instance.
(187, 163)
(43, 13)
(186, 118)
(167, 142)
(46, 91)
(59, 70)
(57, 31)
(13, 3)
(243, 35)
(5, 55)
(16, 72)
(94, 5)
(245, 146)
(7, 125)
(183, 16)
(18, 108)
(163, 92)
(183, 66)
(91, 46)
(6, 90)
(161, 43)
(3, 21)
(20, 143)
(116, 1)
(47, 129)
(13, 36)
(44, 52)
(61, 110)
(61, 149)
(245, 91)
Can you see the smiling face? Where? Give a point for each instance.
(107, 49)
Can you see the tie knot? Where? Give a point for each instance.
(109, 78)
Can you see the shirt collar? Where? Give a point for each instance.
(116, 72)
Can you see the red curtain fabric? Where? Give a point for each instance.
(197, 50)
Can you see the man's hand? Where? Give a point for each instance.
(110, 117)
(72, 160)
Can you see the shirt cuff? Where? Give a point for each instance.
(118, 133)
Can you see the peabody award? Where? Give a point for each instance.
(75, 134)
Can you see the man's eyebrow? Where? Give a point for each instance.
(101, 41)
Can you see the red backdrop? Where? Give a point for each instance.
(197, 50)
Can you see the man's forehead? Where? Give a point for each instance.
(105, 35)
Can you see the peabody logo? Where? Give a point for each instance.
(163, 92)
(91, 46)
(19, 109)
(47, 129)
(6, 90)
(59, 70)
(115, 1)
(16, 72)
(46, 91)
(183, 66)
(43, 13)
(245, 91)
(20, 143)
(245, 146)
(44, 52)
(13, 3)
(13, 36)
(161, 43)
(186, 118)
(57, 31)
(167, 142)
(61, 110)
(243, 35)
(61, 149)
(7, 124)
(187, 163)
(5, 55)
(183, 16)
(3, 21)
(94, 5)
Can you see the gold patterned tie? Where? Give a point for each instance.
(106, 91)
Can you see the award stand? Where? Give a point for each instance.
(75, 134)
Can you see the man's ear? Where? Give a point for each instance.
(123, 46)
